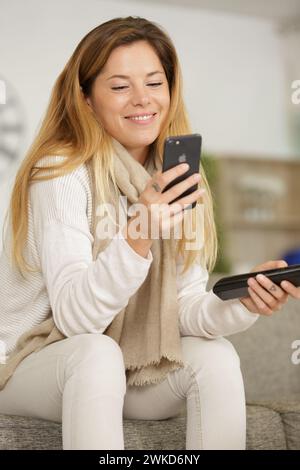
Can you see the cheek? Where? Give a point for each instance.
(164, 100)
(165, 104)
(110, 110)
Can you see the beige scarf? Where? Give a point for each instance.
(147, 329)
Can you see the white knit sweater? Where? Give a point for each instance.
(86, 295)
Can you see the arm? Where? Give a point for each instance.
(202, 313)
(84, 295)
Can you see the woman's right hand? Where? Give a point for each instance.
(155, 207)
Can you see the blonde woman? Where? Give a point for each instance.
(98, 329)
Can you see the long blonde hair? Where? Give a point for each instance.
(70, 130)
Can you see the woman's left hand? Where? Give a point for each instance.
(265, 297)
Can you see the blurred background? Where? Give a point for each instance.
(241, 71)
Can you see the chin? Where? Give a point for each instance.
(142, 141)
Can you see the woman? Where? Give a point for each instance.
(100, 328)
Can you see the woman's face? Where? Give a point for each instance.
(132, 84)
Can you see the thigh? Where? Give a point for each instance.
(36, 387)
(159, 401)
(74, 369)
(154, 401)
(202, 358)
(163, 400)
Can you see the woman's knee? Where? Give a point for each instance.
(95, 344)
(95, 354)
(213, 354)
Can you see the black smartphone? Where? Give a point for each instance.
(233, 287)
(182, 149)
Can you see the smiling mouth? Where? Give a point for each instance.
(141, 118)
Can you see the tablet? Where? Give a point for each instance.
(233, 287)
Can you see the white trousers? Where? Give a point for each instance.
(80, 382)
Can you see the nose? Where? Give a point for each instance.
(140, 96)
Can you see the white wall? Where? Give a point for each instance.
(233, 73)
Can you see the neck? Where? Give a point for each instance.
(139, 154)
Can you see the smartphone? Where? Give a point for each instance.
(233, 287)
(182, 149)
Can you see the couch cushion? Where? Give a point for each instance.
(289, 412)
(17, 432)
(267, 428)
(166, 434)
(291, 421)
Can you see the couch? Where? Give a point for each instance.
(272, 385)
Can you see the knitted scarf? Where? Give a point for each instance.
(147, 329)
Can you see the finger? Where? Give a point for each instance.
(164, 212)
(170, 223)
(179, 188)
(260, 304)
(271, 287)
(248, 302)
(186, 200)
(291, 289)
(162, 179)
(167, 212)
(264, 295)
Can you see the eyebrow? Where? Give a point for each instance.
(126, 76)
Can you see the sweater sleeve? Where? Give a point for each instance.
(202, 313)
(84, 295)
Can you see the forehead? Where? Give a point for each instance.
(131, 58)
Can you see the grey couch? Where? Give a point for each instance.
(272, 384)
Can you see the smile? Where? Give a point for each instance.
(142, 119)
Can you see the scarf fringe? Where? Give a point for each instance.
(145, 376)
(154, 363)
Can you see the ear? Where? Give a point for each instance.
(86, 98)
(89, 102)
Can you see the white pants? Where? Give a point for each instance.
(80, 381)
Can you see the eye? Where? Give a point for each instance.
(119, 87)
(123, 87)
(155, 84)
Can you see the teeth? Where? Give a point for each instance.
(142, 118)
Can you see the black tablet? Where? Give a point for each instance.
(233, 287)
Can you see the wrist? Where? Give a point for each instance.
(140, 244)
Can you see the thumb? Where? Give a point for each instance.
(273, 264)
(281, 263)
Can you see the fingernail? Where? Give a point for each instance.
(185, 166)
